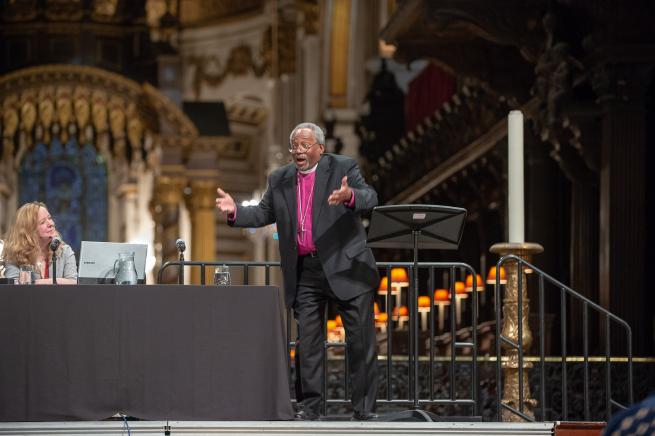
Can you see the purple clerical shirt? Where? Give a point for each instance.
(304, 210)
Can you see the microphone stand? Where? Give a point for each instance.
(54, 267)
(180, 272)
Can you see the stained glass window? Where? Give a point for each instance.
(72, 181)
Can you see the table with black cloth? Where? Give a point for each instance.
(154, 352)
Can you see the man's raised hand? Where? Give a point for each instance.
(341, 195)
(224, 202)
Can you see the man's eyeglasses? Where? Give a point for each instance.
(302, 147)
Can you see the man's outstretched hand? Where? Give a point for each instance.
(341, 195)
(224, 202)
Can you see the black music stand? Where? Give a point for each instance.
(416, 226)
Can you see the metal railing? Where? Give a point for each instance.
(517, 345)
(413, 399)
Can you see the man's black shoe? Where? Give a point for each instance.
(303, 415)
(366, 416)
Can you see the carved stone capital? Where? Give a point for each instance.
(168, 190)
(202, 196)
(621, 82)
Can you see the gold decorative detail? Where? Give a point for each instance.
(104, 10)
(64, 10)
(210, 11)
(134, 132)
(28, 110)
(27, 121)
(40, 101)
(246, 109)
(339, 41)
(168, 190)
(64, 110)
(510, 330)
(117, 116)
(99, 110)
(10, 120)
(203, 195)
(20, 10)
(311, 15)
(201, 204)
(165, 210)
(46, 110)
(81, 100)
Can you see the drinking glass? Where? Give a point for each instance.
(222, 275)
(25, 275)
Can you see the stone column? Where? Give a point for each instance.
(510, 330)
(5, 192)
(128, 198)
(202, 208)
(165, 209)
(621, 89)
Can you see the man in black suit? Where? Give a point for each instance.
(316, 202)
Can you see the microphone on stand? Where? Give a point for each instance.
(181, 246)
(54, 245)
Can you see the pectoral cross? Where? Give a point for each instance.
(303, 210)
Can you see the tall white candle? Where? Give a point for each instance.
(515, 196)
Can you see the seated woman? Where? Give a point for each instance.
(28, 243)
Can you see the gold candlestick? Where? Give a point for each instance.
(510, 329)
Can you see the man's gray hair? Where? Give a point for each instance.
(318, 132)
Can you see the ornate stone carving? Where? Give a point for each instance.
(42, 101)
(311, 15)
(10, 120)
(194, 13)
(134, 133)
(556, 72)
(117, 126)
(64, 10)
(240, 62)
(20, 11)
(277, 58)
(81, 100)
(64, 110)
(104, 10)
(28, 110)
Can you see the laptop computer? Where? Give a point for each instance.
(97, 261)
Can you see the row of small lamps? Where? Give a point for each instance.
(400, 279)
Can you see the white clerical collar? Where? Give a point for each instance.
(309, 171)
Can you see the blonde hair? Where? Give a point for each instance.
(22, 245)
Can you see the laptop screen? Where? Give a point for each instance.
(97, 260)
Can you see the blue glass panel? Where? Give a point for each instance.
(95, 195)
(31, 185)
(72, 181)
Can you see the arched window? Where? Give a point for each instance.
(72, 181)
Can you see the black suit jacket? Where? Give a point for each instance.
(337, 231)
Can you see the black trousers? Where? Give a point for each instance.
(312, 294)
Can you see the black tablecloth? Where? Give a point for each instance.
(151, 352)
